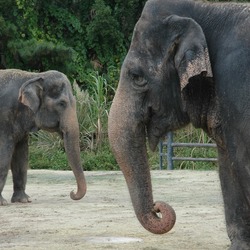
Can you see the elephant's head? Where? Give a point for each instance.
(49, 96)
(165, 53)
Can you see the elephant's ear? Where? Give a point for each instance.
(192, 57)
(30, 93)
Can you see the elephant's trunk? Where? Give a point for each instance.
(70, 130)
(127, 139)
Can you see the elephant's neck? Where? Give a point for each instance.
(26, 119)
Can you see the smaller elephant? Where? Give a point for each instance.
(30, 102)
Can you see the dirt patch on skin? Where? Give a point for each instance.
(104, 218)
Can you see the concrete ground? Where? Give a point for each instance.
(104, 218)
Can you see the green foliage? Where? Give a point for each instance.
(103, 159)
(127, 13)
(103, 34)
(92, 108)
(71, 36)
(85, 115)
(99, 88)
(42, 55)
(47, 152)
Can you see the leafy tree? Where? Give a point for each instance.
(104, 38)
(73, 36)
(33, 55)
(70, 35)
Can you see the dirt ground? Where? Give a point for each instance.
(104, 218)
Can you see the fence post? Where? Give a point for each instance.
(160, 153)
(170, 151)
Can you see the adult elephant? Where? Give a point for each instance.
(29, 102)
(188, 62)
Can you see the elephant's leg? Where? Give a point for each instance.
(6, 151)
(235, 184)
(3, 176)
(19, 167)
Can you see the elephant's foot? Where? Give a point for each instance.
(20, 196)
(3, 202)
(240, 245)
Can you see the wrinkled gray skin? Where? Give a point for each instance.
(29, 102)
(188, 62)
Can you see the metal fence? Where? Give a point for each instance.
(170, 151)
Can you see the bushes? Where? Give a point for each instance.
(56, 159)
(102, 159)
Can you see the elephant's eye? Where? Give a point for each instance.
(62, 104)
(138, 80)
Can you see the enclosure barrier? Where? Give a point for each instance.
(170, 151)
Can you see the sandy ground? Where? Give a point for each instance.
(104, 218)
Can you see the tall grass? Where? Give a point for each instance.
(47, 151)
(85, 114)
(99, 89)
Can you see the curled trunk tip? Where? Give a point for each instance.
(81, 187)
(78, 195)
(161, 220)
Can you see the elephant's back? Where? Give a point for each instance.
(10, 82)
(15, 76)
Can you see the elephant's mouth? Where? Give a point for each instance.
(152, 126)
(159, 124)
(155, 131)
(52, 129)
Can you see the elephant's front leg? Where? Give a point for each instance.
(235, 184)
(3, 176)
(6, 151)
(19, 166)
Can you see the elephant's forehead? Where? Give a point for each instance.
(142, 44)
(54, 89)
(144, 51)
(148, 33)
(144, 28)
(55, 85)
(141, 63)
